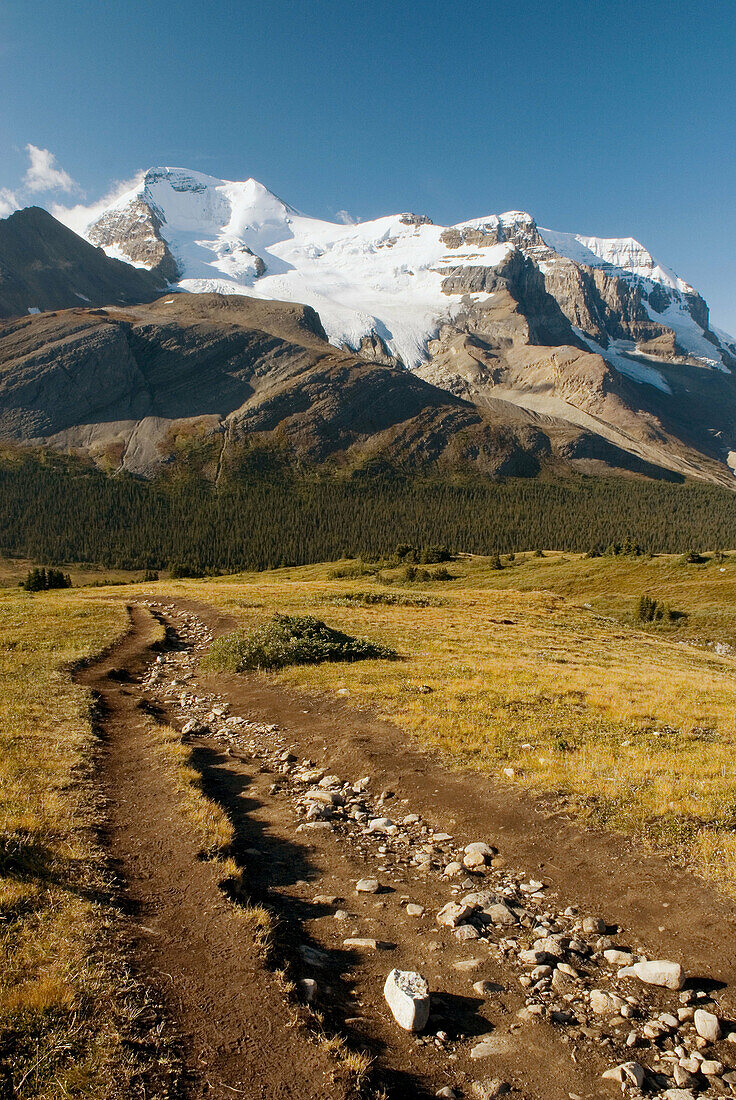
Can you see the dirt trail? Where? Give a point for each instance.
(188, 943)
(539, 1033)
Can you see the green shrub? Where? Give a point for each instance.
(291, 640)
(649, 610)
(388, 599)
(692, 557)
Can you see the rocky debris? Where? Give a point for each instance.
(407, 995)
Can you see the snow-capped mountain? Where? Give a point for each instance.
(396, 281)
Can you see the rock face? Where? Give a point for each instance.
(44, 265)
(407, 995)
(204, 378)
(140, 226)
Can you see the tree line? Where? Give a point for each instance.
(59, 510)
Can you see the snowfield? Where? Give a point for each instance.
(383, 276)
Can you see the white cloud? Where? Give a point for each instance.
(8, 202)
(346, 218)
(80, 216)
(43, 173)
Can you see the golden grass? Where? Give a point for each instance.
(208, 817)
(53, 978)
(631, 728)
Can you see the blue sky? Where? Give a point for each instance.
(613, 118)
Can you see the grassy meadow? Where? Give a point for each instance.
(540, 668)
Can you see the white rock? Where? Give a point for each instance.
(465, 932)
(415, 910)
(452, 869)
(604, 1004)
(484, 988)
(452, 914)
(361, 941)
(367, 886)
(707, 1025)
(656, 972)
(711, 1068)
(407, 995)
(474, 859)
(381, 825)
(481, 848)
(630, 1073)
(618, 958)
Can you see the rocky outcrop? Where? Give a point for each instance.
(521, 309)
(44, 266)
(416, 219)
(518, 229)
(373, 348)
(136, 230)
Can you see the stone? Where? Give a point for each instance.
(361, 941)
(474, 860)
(678, 1094)
(499, 913)
(407, 995)
(441, 837)
(481, 848)
(381, 825)
(489, 1089)
(464, 965)
(656, 972)
(616, 957)
(628, 1073)
(707, 1025)
(452, 869)
(684, 1079)
(308, 987)
(452, 914)
(483, 989)
(446, 1093)
(483, 1050)
(592, 925)
(604, 1004)
(414, 910)
(465, 932)
(711, 1068)
(367, 886)
(341, 914)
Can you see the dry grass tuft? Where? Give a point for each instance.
(210, 820)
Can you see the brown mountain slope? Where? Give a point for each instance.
(202, 378)
(44, 265)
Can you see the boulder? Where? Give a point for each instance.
(407, 995)
(656, 972)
